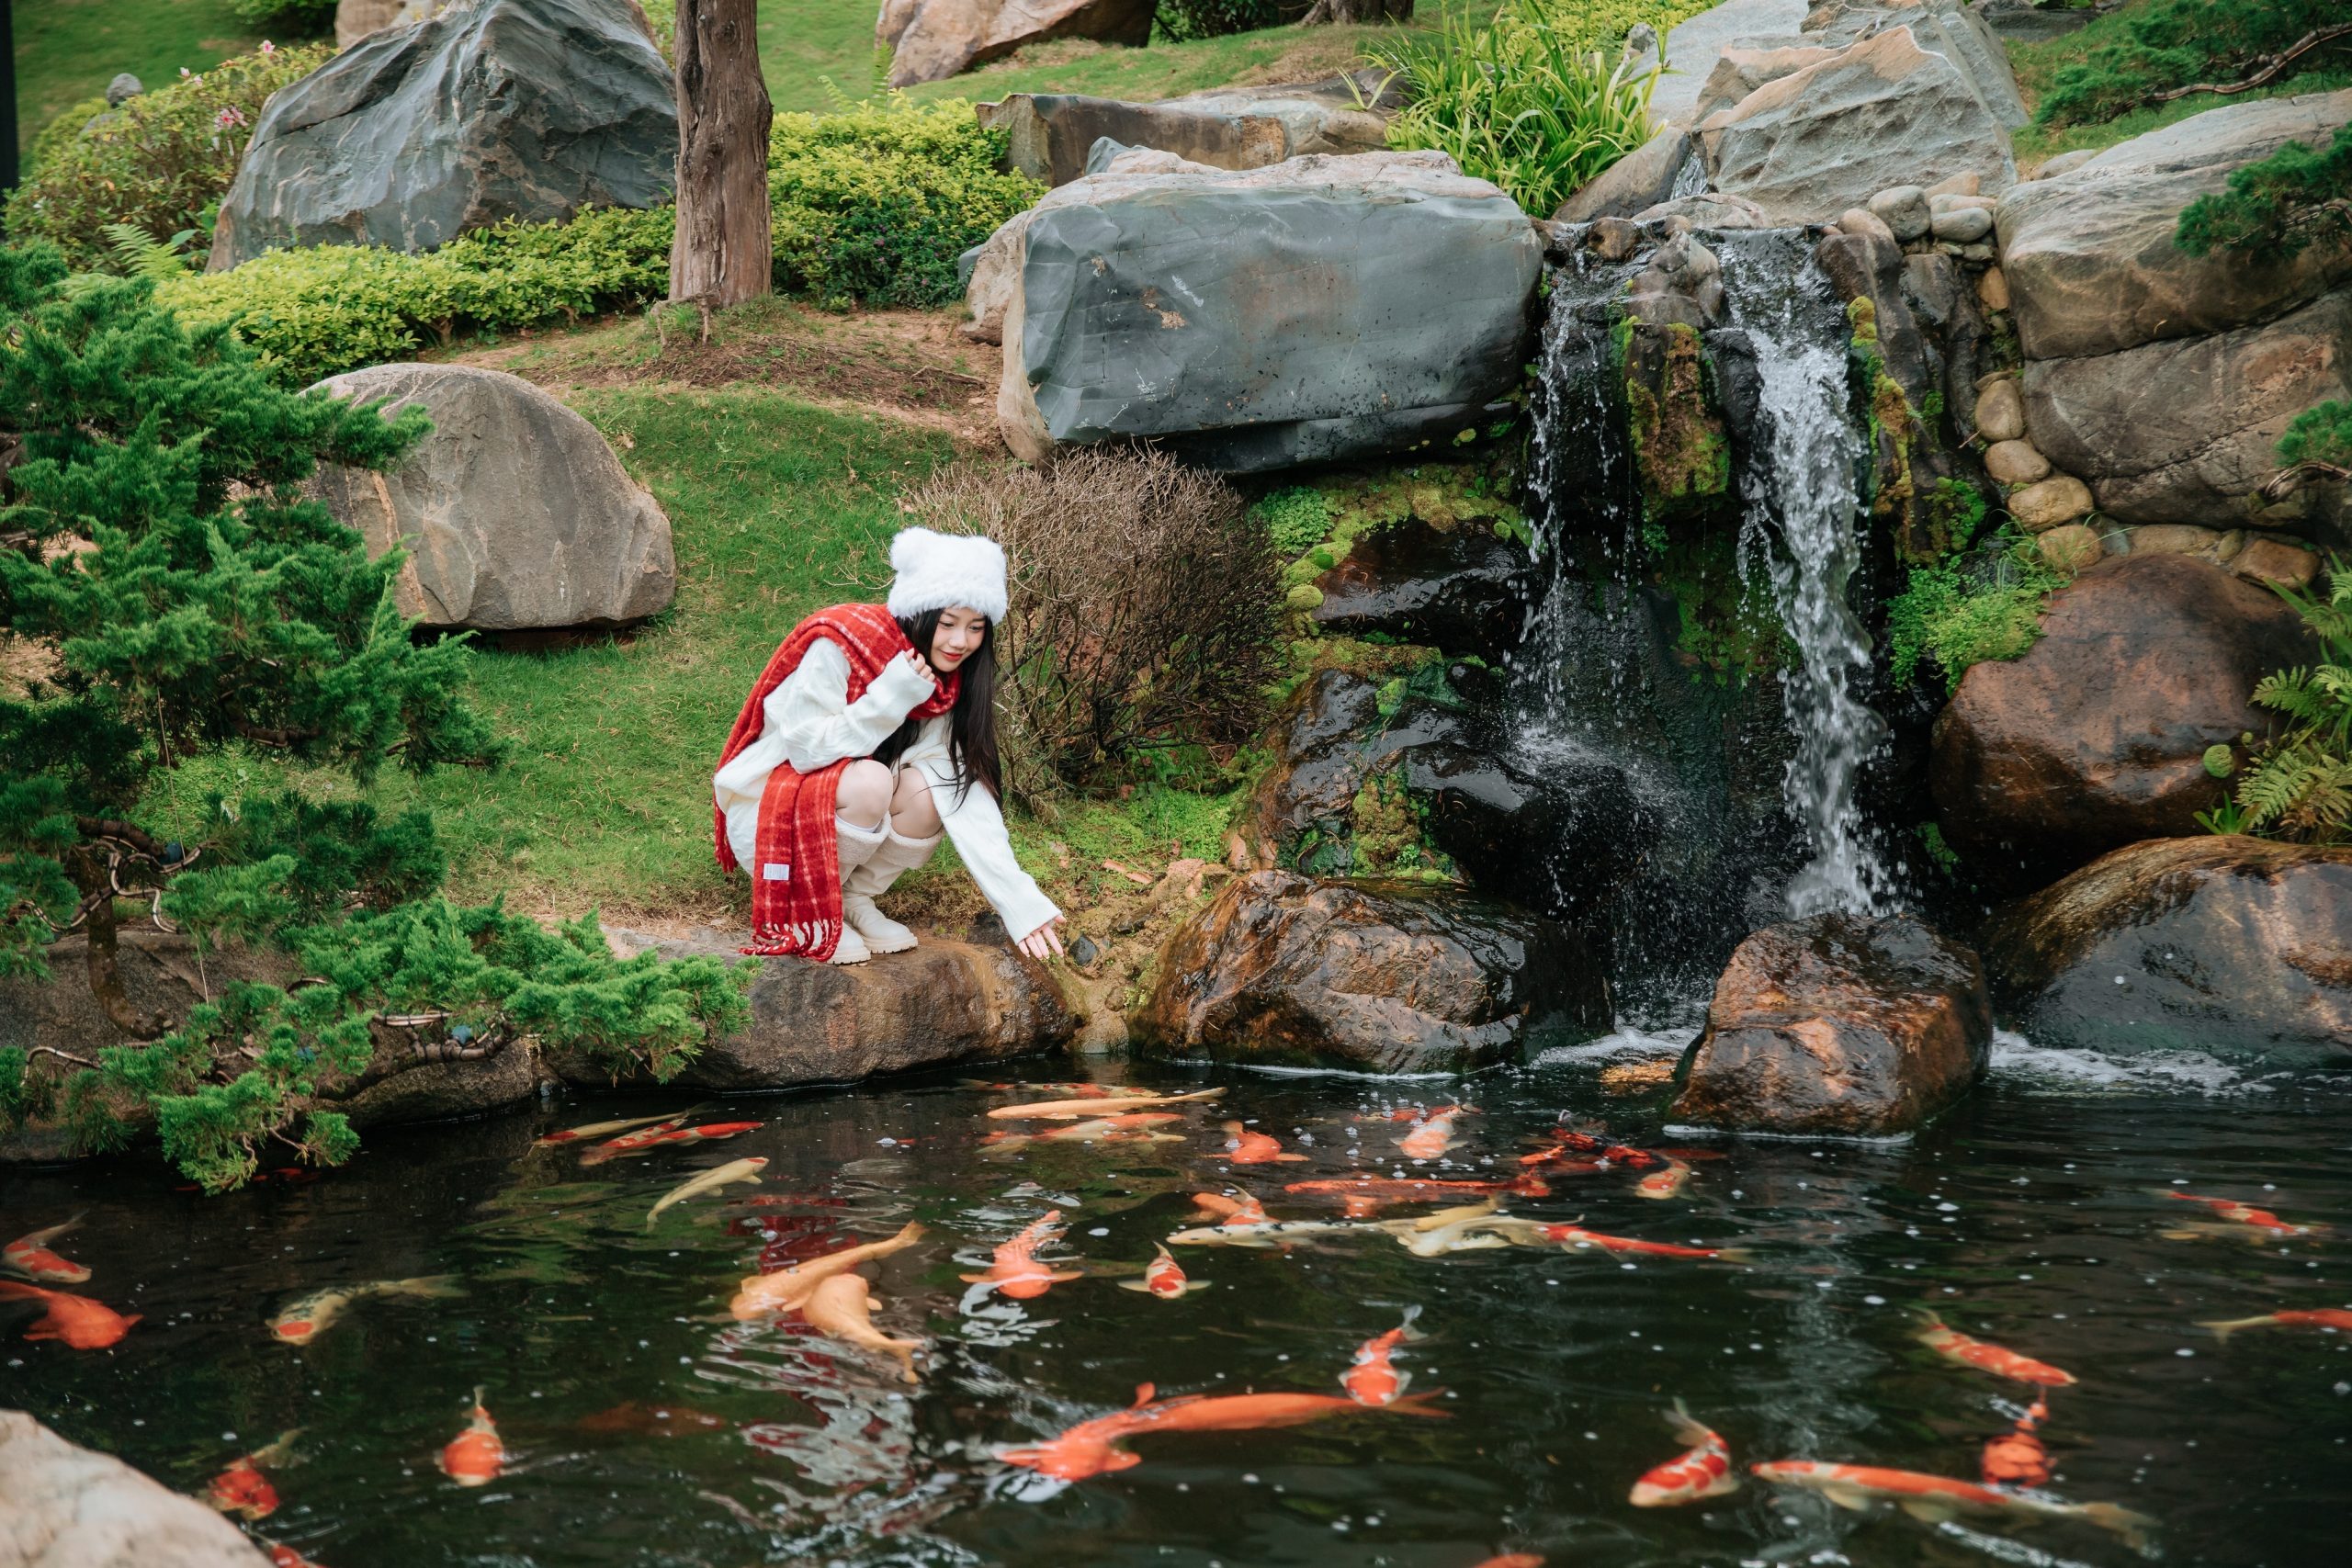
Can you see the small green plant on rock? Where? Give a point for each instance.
(1962, 616)
(2299, 785)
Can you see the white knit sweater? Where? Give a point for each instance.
(810, 722)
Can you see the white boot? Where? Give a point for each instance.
(858, 848)
(871, 880)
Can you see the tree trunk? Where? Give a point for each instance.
(97, 883)
(722, 252)
(1359, 11)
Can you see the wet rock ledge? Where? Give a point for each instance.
(64, 1506)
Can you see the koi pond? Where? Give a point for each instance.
(640, 1422)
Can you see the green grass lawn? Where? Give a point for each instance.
(68, 50)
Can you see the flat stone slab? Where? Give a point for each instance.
(942, 1002)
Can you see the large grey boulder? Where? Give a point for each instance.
(504, 108)
(1693, 45)
(1050, 134)
(1639, 180)
(517, 514)
(930, 40)
(1323, 308)
(62, 1506)
(2185, 430)
(1810, 145)
(2088, 254)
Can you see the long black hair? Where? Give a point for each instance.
(971, 722)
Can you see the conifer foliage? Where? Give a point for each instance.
(2178, 48)
(182, 594)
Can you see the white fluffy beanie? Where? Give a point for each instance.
(937, 571)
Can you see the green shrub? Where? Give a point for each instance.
(288, 19)
(2299, 786)
(1962, 617)
(1297, 519)
(875, 203)
(2297, 198)
(60, 132)
(1181, 21)
(325, 308)
(159, 162)
(1531, 101)
(2173, 44)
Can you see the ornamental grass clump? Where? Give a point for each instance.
(1146, 607)
(185, 596)
(159, 162)
(1532, 101)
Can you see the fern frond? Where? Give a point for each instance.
(140, 255)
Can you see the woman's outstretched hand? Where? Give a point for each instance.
(921, 666)
(1043, 942)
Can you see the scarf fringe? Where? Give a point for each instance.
(804, 939)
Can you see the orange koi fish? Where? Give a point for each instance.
(1514, 1559)
(1087, 1448)
(242, 1489)
(1433, 1136)
(657, 1137)
(1092, 1105)
(598, 1129)
(1361, 1197)
(1663, 1183)
(1955, 1345)
(2335, 1319)
(1128, 1127)
(1243, 1146)
(475, 1456)
(1936, 1498)
(788, 1289)
(284, 1556)
(2260, 1223)
(1016, 1272)
(29, 1256)
(1373, 1379)
(1701, 1470)
(842, 1308)
(77, 1321)
(1164, 1278)
(2017, 1458)
(1243, 1210)
(1578, 1237)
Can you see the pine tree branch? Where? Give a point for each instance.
(62, 1055)
(2288, 480)
(2272, 69)
(123, 832)
(262, 736)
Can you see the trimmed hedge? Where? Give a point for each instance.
(871, 206)
(159, 162)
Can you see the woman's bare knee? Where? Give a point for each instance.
(912, 812)
(864, 797)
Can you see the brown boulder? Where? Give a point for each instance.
(812, 1023)
(62, 1506)
(931, 40)
(2095, 736)
(2211, 943)
(1383, 978)
(1839, 1024)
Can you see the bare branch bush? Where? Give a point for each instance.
(1146, 607)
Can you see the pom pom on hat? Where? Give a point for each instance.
(937, 571)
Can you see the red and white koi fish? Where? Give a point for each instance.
(659, 1137)
(1574, 1237)
(475, 1456)
(304, 1318)
(1666, 1183)
(1936, 1498)
(74, 1320)
(2259, 1222)
(242, 1489)
(1089, 1449)
(1701, 1470)
(1127, 1127)
(29, 1256)
(556, 1140)
(1433, 1136)
(1243, 1146)
(2017, 1458)
(1361, 1197)
(2335, 1319)
(1016, 1272)
(1163, 1276)
(1373, 1379)
(1093, 1105)
(1955, 1345)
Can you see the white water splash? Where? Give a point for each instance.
(2017, 1060)
(1807, 490)
(1626, 1042)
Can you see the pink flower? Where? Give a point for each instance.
(267, 46)
(229, 116)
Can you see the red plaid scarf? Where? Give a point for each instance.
(796, 886)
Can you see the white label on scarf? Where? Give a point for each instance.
(777, 871)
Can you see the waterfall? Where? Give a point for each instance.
(1803, 483)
